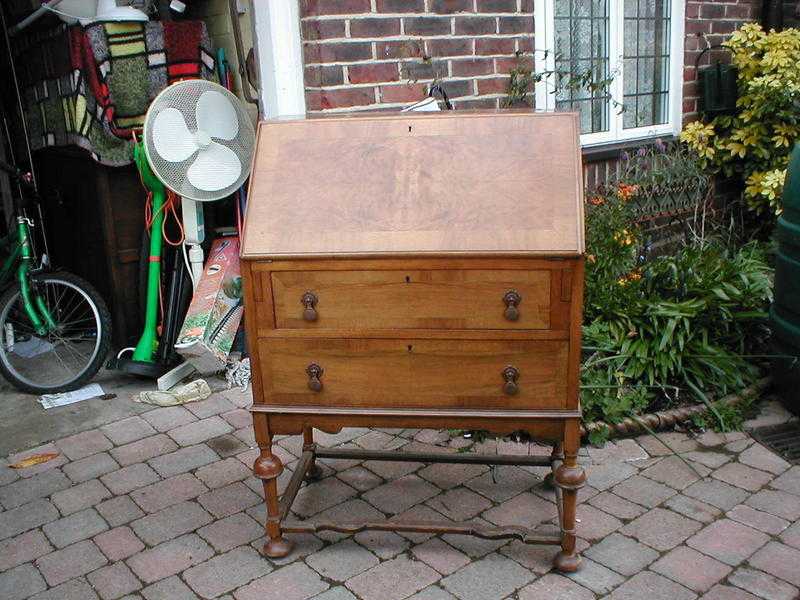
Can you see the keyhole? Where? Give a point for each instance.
(410, 347)
(408, 279)
(409, 129)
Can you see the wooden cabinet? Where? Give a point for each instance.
(416, 271)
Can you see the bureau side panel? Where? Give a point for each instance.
(258, 315)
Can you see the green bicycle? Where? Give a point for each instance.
(55, 329)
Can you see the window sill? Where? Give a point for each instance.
(613, 150)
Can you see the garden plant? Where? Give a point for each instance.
(754, 143)
(660, 331)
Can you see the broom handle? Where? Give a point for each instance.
(44, 8)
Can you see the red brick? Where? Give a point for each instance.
(473, 66)
(334, 7)
(738, 11)
(450, 47)
(475, 25)
(723, 26)
(495, 85)
(475, 103)
(516, 24)
(406, 92)
(429, 69)
(526, 6)
(402, 49)
(398, 6)
(427, 25)
(119, 543)
(450, 6)
(373, 73)
(526, 44)
(170, 558)
(320, 30)
(337, 52)
(692, 43)
(344, 98)
(494, 46)
(506, 65)
(313, 100)
(365, 28)
(316, 76)
(697, 27)
(692, 10)
(712, 11)
(458, 88)
(497, 6)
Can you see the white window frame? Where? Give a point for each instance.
(279, 56)
(544, 37)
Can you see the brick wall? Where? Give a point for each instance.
(709, 22)
(376, 54)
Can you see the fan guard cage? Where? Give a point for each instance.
(184, 96)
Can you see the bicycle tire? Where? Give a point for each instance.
(10, 295)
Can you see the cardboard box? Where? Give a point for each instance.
(215, 311)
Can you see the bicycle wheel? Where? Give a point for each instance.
(67, 357)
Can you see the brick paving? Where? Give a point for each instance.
(163, 506)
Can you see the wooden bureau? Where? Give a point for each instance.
(417, 270)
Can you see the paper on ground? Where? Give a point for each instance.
(93, 390)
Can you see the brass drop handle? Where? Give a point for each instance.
(510, 375)
(314, 372)
(309, 301)
(512, 300)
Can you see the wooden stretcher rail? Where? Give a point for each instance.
(540, 535)
(430, 457)
(527, 536)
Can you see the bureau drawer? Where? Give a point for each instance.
(380, 373)
(414, 299)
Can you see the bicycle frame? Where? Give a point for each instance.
(22, 253)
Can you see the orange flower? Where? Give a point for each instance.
(626, 191)
(597, 200)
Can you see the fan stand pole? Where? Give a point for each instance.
(194, 234)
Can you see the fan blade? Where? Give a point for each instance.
(215, 168)
(171, 137)
(217, 116)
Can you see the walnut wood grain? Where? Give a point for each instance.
(415, 373)
(505, 183)
(435, 299)
(441, 261)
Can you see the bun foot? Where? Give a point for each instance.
(278, 547)
(567, 563)
(314, 472)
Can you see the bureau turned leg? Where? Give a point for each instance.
(268, 468)
(314, 472)
(569, 477)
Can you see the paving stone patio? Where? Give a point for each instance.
(163, 506)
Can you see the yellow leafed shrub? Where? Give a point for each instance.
(756, 141)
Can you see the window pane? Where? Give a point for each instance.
(581, 61)
(646, 62)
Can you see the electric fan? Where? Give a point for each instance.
(198, 142)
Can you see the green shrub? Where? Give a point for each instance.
(755, 142)
(664, 330)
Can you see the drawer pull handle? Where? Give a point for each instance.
(512, 300)
(314, 372)
(309, 301)
(510, 387)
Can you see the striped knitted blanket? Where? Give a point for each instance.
(91, 86)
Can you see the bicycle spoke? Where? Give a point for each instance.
(61, 357)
